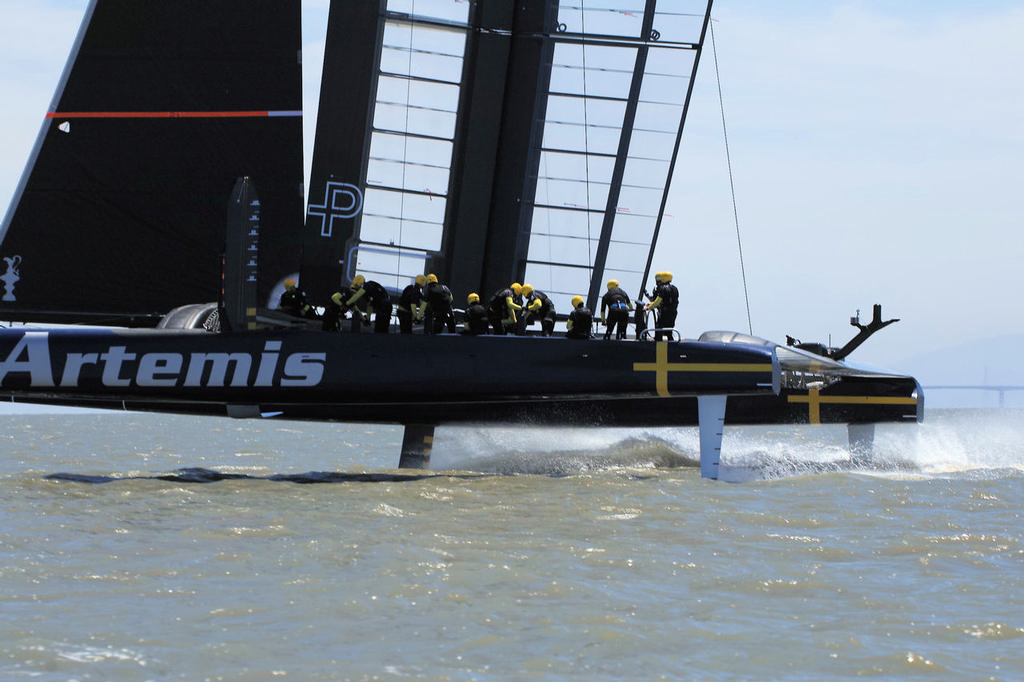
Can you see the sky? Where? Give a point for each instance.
(875, 150)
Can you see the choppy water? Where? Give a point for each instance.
(552, 554)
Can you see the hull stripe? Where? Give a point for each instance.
(814, 401)
(661, 367)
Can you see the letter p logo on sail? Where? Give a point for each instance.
(342, 201)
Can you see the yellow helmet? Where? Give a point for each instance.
(577, 301)
(420, 280)
(289, 284)
(431, 278)
(517, 288)
(612, 283)
(358, 281)
(666, 277)
(657, 277)
(527, 289)
(472, 298)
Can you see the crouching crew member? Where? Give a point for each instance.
(411, 305)
(618, 307)
(476, 322)
(502, 308)
(580, 320)
(539, 307)
(293, 301)
(367, 295)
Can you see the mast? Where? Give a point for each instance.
(337, 183)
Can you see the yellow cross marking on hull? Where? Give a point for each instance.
(814, 400)
(661, 367)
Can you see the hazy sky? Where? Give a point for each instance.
(876, 151)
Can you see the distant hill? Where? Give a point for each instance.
(996, 361)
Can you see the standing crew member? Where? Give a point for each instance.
(618, 306)
(539, 306)
(439, 307)
(476, 322)
(372, 295)
(501, 310)
(666, 302)
(580, 320)
(411, 305)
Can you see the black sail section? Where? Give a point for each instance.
(164, 105)
(336, 185)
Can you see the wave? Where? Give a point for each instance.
(950, 442)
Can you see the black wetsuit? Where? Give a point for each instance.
(294, 302)
(669, 296)
(377, 299)
(439, 313)
(582, 321)
(476, 319)
(332, 317)
(498, 310)
(411, 297)
(616, 302)
(546, 312)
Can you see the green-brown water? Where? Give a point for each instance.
(552, 554)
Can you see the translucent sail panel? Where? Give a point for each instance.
(674, 20)
(615, 109)
(561, 252)
(452, 11)
(587, 102)
(411, 142)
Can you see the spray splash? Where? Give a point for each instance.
(950, 442)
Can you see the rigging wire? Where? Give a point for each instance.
(405, 143)
(732, 185)
(586, 144)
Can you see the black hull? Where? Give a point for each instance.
(309, 375)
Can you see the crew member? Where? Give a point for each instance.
(640, 314)
(618, 307)
(293, 301)
(580, 320)
(371, 295)
(411, 305)
(333, 313)
(666, 303)
(519, 328)
(439, 307)
(501, 310)
(476, 322)
(539, 307)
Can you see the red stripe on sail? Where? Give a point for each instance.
(170, 114)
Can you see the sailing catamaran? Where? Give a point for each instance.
(486, 142)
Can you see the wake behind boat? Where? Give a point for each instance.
(483, 142)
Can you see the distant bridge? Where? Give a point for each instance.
(1001, 389)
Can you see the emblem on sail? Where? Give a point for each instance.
(342, 201)
(10, 276)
